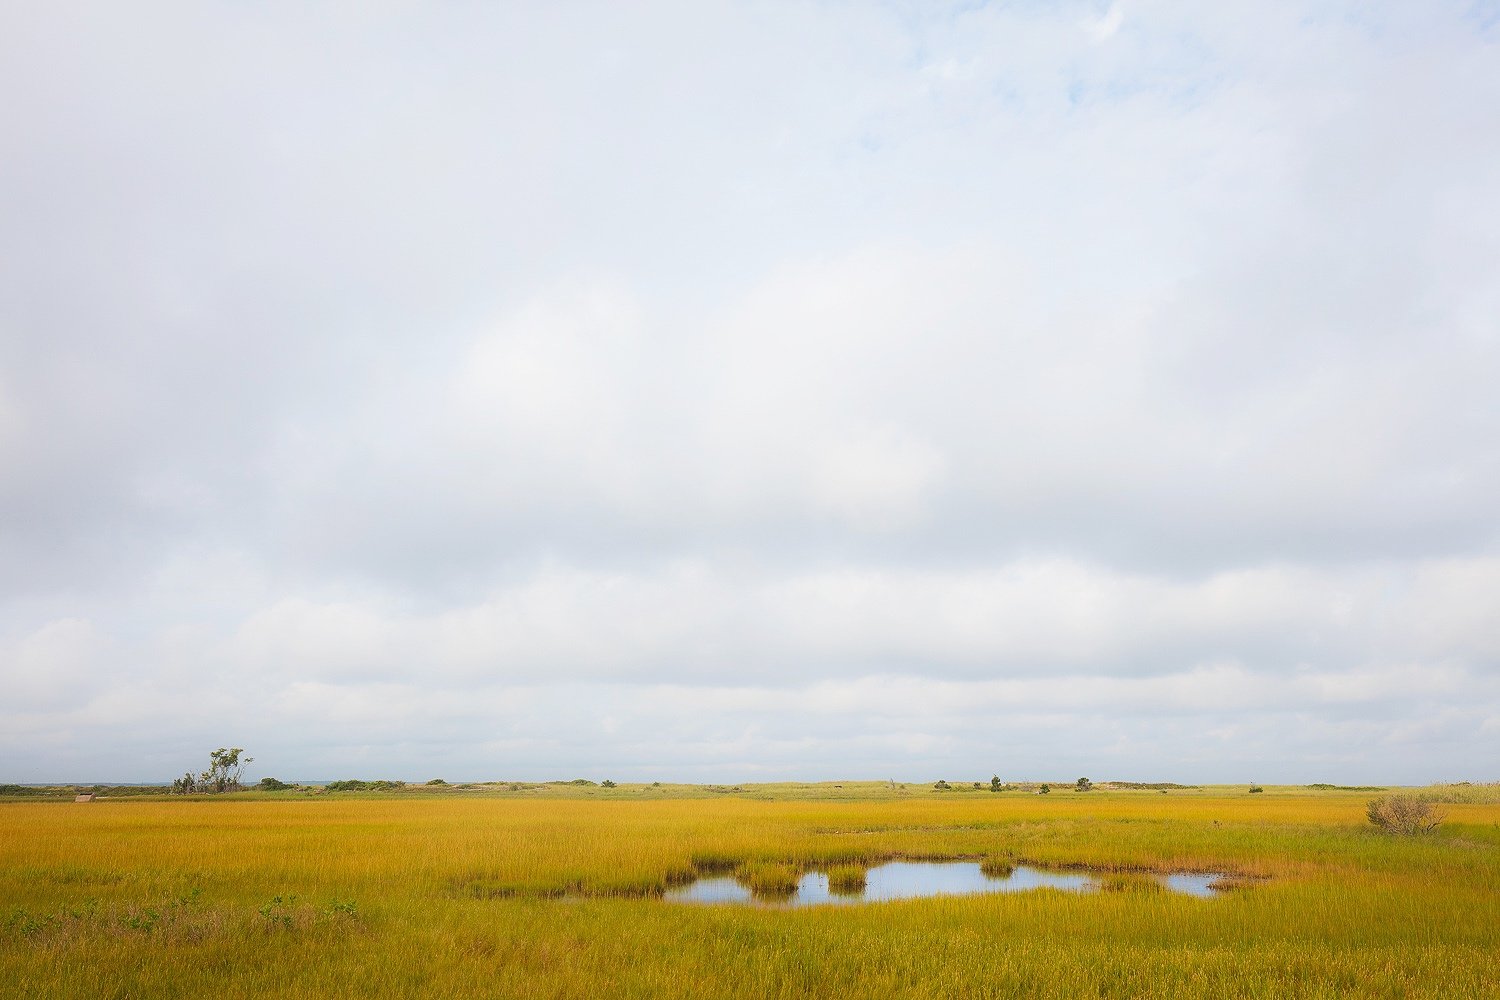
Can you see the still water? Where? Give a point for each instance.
(917, 879)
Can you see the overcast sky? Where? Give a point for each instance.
(736, 392)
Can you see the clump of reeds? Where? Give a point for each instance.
(1132, 882)
(847, 880)
(1230, 883)
(996, 867)
(768, 879)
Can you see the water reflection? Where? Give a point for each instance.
(919, 879)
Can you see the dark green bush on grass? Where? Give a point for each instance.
(355, 785)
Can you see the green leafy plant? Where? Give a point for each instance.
(278, 913)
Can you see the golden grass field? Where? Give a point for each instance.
(550, 892)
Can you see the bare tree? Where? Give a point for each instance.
(1404, 814)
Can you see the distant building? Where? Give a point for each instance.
(84, 797)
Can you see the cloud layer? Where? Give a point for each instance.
(718, 392)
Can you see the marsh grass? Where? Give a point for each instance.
(847, 880)
(997, 867)
(769, 880)
(1133, 882)
(503, 895)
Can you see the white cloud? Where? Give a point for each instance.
(1102, 29)
(798, 390)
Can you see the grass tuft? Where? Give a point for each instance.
(847, 880)
(997, 867)
(1131, 882)
(769, 880)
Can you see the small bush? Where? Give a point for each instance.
(941, 785)
(1256, 789)
(437, 781)
(1404, 815)
(280, 913)
(273, 785)
(342, 909)
(1083, 785)
(606, 783)
(1045, 789)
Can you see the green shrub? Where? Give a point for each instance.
(24, 790)
(356, 785)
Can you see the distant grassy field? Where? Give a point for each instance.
(549, 891)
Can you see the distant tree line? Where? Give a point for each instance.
(355, 785)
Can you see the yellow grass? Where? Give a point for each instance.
(847, 880)
(542, 895)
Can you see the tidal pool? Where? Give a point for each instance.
(918, 879)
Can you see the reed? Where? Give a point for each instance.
(997, 867)
(847, 880)
(768, 879)
(1130, 882)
